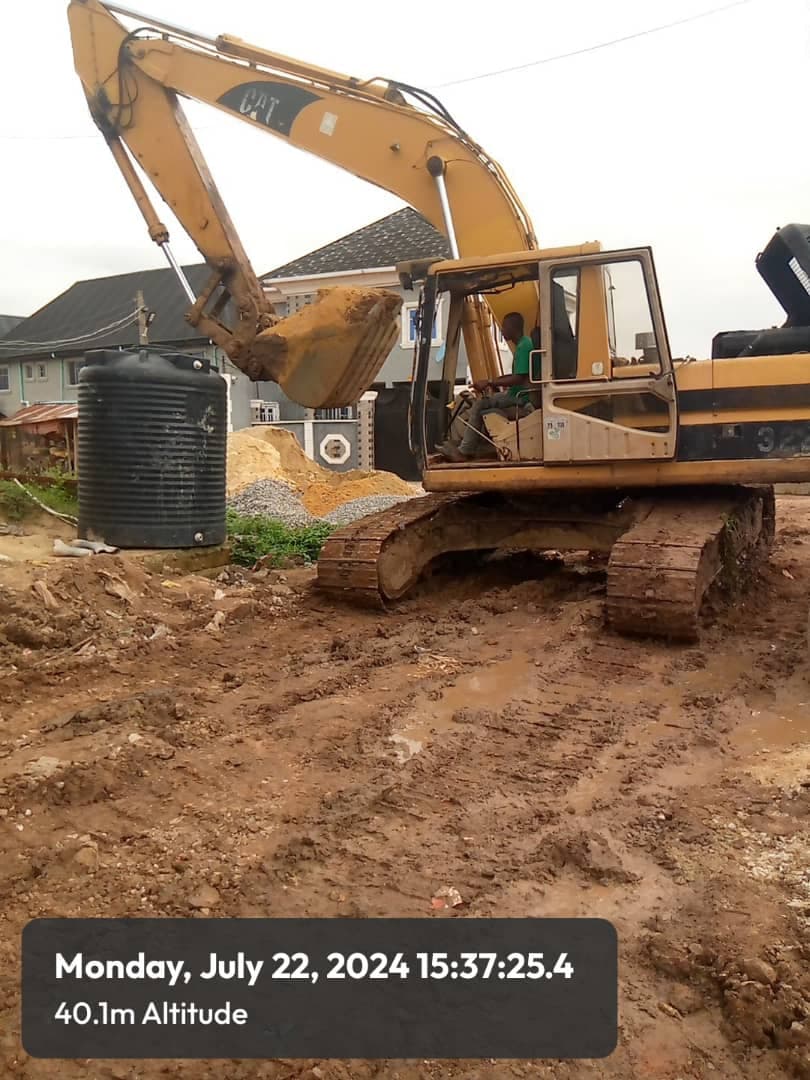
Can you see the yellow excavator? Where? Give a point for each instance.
(663, 464)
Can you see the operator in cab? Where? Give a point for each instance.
(509, 396)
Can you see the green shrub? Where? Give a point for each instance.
(14, 504)
(57, 496)
(254, 537)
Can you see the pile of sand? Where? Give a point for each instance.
(322, 498)
(260, 452)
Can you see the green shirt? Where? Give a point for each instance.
(520, 366)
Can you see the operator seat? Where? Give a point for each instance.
(565, 352)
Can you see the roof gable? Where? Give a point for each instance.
(391, 240)
(8, 322)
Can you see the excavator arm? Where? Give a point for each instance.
(392, 135)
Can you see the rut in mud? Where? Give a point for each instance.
(486, 734)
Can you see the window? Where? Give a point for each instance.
(265, 412)
(409, 316)
(343, 413)
(28, 371)
(74, 367)
(631, 337)
(5, 381)
(42, 371)
(564, 309)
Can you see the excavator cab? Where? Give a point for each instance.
(601, 374)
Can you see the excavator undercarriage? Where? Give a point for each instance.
(667, 550)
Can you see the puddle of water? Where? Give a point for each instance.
(773, 728)
(767, 720)
(490, 687)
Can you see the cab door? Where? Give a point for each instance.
(608, 388)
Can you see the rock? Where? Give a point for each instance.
(668, 1009)
(116, 587)
(45, 595)
(134, 738)
(87, 856)
(216, 623)
(685, 999)
(290, 562)
(43, 767)
(759, 971)
(281, 590)
(204, 897)
(446, 896)
(239, 609)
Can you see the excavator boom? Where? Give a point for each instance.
(389, 134)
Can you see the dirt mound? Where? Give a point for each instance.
(260, 452)
(270, 452)
(321, 498)
(553, 770)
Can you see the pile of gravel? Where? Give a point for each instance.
(272, 499)
(358, 508)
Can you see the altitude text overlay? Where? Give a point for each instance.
(331, 988)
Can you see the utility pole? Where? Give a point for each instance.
(143, 319)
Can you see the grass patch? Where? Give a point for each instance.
(254, 537)
(16, 506)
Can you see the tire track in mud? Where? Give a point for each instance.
(337, 764)
(475, 796)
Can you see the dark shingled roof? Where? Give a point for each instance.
(8, 322)
(90, 305)
(391, 240)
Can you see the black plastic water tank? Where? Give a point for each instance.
(151, 448)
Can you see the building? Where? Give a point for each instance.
(40, 438)
(8, 322)
(40, 357)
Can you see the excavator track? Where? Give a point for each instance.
(666, 549)
(661, 570)
(349, 563)
(380, 557)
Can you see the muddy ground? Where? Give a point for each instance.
(287, 757)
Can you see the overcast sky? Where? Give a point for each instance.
(691, 140)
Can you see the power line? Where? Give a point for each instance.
(483, 75)
(63, 342)
(594, 48)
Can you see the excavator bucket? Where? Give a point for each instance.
(329, 352)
